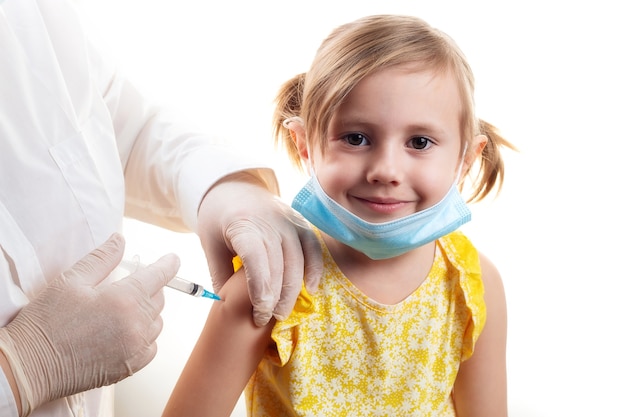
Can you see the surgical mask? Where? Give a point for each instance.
(381, 240)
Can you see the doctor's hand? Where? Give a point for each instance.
(81, 333)
(239, 215)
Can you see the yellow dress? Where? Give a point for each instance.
(342, 354)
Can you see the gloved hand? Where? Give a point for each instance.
(277, 247)
(78, 335)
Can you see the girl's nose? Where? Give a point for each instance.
(384, 166)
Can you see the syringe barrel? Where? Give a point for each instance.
(185, 286)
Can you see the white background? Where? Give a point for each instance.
(549, 74)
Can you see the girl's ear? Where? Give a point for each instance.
(298, 135)
(473, 152)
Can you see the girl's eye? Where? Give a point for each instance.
(356, 139)
(420, 142)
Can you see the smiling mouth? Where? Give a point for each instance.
(382, 206)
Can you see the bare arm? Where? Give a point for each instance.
(225, 356)
(480, 389)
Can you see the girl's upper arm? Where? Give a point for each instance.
(480, 388)
(225, 356)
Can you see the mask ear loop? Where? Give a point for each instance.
(293, 119)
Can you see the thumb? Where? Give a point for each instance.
(99, 263)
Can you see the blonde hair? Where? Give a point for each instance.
(355, 50)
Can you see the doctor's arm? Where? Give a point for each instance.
(179, 179)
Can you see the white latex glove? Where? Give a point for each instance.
(277, 247)
(78, 335)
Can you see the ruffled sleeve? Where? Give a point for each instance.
(285, 333)
(464, 256)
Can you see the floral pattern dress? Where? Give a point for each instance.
(340, 353)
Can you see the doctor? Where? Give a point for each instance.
(80, 149)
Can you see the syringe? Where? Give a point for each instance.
(191, 288)
(177, 282)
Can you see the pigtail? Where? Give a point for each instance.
(288, 104)
(491, 168)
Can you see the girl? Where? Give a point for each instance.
(384, 121)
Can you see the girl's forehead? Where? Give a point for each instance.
(426, 76)
(406, 90)
(425, 72)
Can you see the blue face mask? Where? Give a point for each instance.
(381, 240)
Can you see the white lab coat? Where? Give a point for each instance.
(79, 149)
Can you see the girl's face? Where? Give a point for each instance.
(393, 145)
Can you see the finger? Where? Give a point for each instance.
(263, 274)
(155, 276)
(313, 261)
(142, 358)
(259, 287)
(288, 297)
(292, 278)
(219, 260)
(155, 330)
(262, 310)
(262, 295)
(147, 345)
(98, 264)
(158, 302)
(155, 304)
(311, 252)
(264, 268)
(293, 262)
(276, 260)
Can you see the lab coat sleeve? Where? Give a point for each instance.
(8, 408)
(168, 168)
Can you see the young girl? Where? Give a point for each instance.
(409, 318)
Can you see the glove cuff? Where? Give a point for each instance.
(10, 351)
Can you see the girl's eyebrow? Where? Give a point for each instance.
(355, 122)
